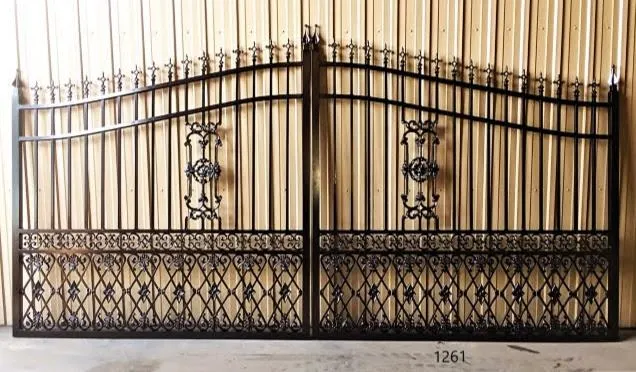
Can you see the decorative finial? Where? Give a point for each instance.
(541, 80)
(205, 62)
(136, 72)
(506, 75)
(271, 48)
(288, 50)
(153, 73)
(306, 39)
(334, 49)
(577, 87)
(52, 87)
(436, 62)
(367, 51)
(254, 49)
(119, 76)
(594, 85)
(69, 89)
(86, 83)
(237, 59)
(352, 47)
(524, 80)
(316, 36)
(613, 78)
(186, 65)
(221, 56)
(420, 60)
(454, 68)
(386, 54)
(103, 79)
(489, 72)
(170, 66)
(403, 55)
(36, 92)
(559, 83)
(471, 71)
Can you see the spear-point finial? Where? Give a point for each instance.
(613, 78)
(541, 83)
(153, 72)
(237, 59)
(559, 83)
(316, 37)
(69, 89)
(386, 52)
(288, 50)
(205, 62)
(454, 68)
(403, 55)
(489, 72)
(36, 93)
(52, 87)
(170, 67)
(367, 51)
(506, 75)
(577, 87)
(221, 56)
(420, 60)
(306, 39)
(136, 72)
(271, 48)
(186, 65)
(103, 79)
(254, 49)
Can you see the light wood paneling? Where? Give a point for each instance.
(69, 39)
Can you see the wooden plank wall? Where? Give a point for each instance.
(62, 39)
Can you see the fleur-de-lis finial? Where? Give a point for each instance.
(594, 85)
(386, 52)
(288, 50)
(506, 75)
(36, 92)
(436, 62)
(170, 67)
(254, 49)
(541, 80)
(136, 72)
(334, 49)
(420, 60)
(367, 51)
(205, 62)
(454, 68)
(52, 87)
(237, 59)
(403, 55)
(119, 76)
(221, 56)
(471, 71)
(153, 73)
(69, 89)
(186, 65)
(577, 87)
(103, 79)
(559, 84)
(271, 48)
(489, 71)
(352, 48)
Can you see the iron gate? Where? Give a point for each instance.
(329, 197)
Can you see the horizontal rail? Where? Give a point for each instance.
(529, 128)
(154, 119)
(149, 88)
(463, 84)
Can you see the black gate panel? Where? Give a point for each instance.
(359, 194)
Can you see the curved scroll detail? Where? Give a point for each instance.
(203, 173)
(420, 170)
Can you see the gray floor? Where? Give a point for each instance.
(20, 354)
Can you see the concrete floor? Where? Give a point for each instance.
(21, 354)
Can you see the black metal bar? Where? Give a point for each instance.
(52, 88)
(352, 47)
(471, 179)
(541, 151)
(575, 180)
(593, 158)
(614, 205)
(254, 50)
(506, 75)
(489, 145)
(557, 174)
(524, 143)
(170, 67)
(367, 149)
(289, 47)
(153, 69)
(270, 199)
(237, 142)
(334, 158)
(69, 192)
(457, 134)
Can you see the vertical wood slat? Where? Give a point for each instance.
(609, 21)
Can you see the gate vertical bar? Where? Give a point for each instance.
(613, 210)
(307, 164)
(16, 216)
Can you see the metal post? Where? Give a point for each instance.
(614, 207)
